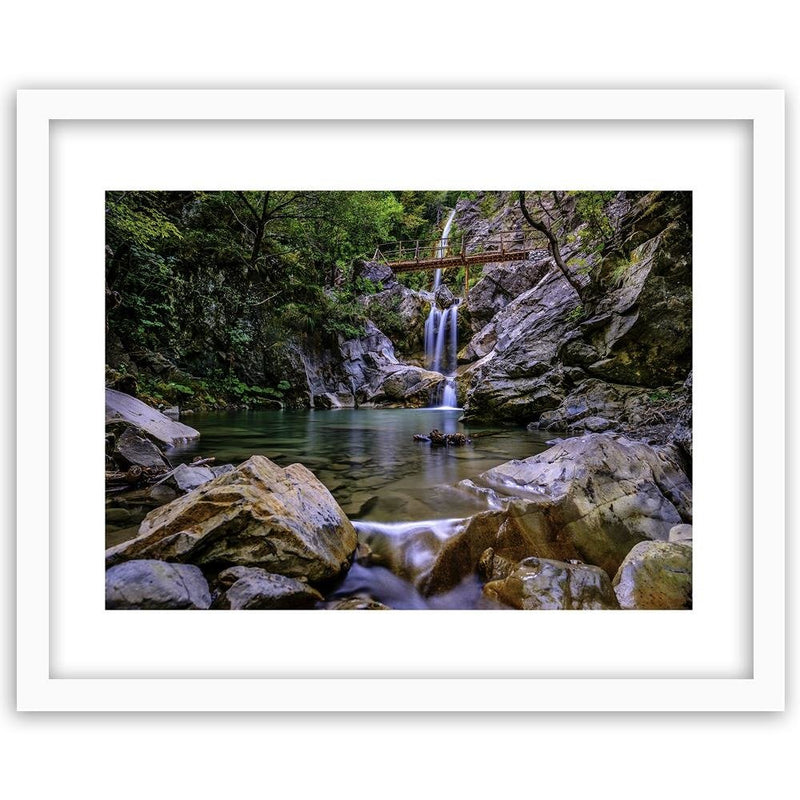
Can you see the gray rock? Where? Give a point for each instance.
(121, 406)
(656, 575)
(259, 515)
(543, 584)
(186, 477)
(151, 584)
(375, 271)
(222, 469)
(681, 533)
(253, 588)
(444, 297)
(605, 493)
(133, 448)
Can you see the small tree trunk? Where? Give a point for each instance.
(554, 246)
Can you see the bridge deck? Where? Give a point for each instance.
(460, 260)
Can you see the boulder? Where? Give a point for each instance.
(120, 406)
(153, 584)
(588, 499)
(375, 271)
(133, 448)
(407, 386)
(601, 493)
(444, 297)
(253, 588)
(656, 575)
(186, 477)
(260, 515)
(681, 533)
(542, 584)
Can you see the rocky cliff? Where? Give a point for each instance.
(619, 356)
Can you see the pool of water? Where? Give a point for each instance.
(367, 458)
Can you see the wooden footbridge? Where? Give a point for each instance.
(430, 255)
(415, 256)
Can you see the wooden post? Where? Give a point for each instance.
(466, 279)
(416, 251)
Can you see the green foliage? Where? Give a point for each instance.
(221, 283)
(576, 314)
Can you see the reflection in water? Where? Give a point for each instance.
(367, 457)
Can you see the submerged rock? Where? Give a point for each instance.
(656, 575)
(259, 515)
(153, 584)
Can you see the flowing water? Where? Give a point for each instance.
(441, 350)
(400, 494)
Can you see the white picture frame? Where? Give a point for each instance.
(65, 642)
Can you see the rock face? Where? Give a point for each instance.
(361, 371)
(541, 584)
(147, 583)
(588, 499)
(656, 575)
(121, 406)
(260, 515)
(622, 352)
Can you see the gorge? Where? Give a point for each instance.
(572, 390)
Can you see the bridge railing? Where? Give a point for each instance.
(459, 245)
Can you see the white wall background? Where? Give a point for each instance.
(366, 44)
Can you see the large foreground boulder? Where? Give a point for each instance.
(283, 520)
(152, 584)
(589, 499)
(602, 494)
(158, 426)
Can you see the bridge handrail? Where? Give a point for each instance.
(425, 249)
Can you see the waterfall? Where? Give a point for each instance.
(441, 250)
(441, 350)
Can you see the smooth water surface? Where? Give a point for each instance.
(367, 457)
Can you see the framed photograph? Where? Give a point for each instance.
(546, 323)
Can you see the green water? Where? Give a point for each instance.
(367, 457)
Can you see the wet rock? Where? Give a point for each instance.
(588, 499)
(132, 448)
(222, 469)
(260, 515)
(607, 493)
(161, 494)
(253, 588)
(356, 604)
(444, 297)
(656, 575)
(186, 477)
(120, 406)
(118, 516)
(541, 584)
(408, 386)
(152, 584)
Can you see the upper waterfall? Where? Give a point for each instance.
(441, 350)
